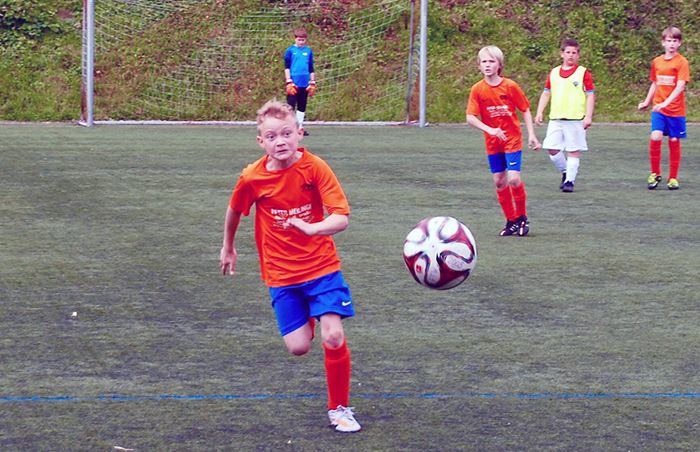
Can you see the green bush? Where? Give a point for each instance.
(24, 22)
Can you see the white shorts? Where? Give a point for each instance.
(566, 136)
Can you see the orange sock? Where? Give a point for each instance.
(520, 198)
(655, 156)
(674, 147)
(338, 366)
(505, 199)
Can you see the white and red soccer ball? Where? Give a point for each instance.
(440, 252)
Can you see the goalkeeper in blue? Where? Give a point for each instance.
(299, 74)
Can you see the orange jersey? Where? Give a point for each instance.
(666, 74)
(288, 256)
(497, 105)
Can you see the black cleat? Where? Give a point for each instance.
(568, 187)
(510, 229)
(563, 179)
(523, 225)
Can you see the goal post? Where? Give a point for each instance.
(87, 87)
(216, 58)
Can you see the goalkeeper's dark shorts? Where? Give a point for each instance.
(299, 100)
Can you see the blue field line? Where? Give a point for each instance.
(398, 395)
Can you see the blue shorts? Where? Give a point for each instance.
(505, 161)
(294, 304)
(671, 126)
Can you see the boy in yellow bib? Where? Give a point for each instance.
(572, 92)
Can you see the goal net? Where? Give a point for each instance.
(219, 60)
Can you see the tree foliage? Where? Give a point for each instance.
(40, 50)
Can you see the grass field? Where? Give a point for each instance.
(581, 336)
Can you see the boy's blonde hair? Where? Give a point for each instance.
(495, 53)
(672, 32)
(301, 33)
(277, 110)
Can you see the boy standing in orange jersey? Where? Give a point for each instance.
(495, 99)
(670, 73)
(298, 259)
(571, 89)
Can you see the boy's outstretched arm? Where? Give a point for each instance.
(590, 105)
(478, 124)
(229, 256)
(330, 225)
(533, 142)
(541, 105)
(650, 95)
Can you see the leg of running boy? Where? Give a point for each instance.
(298, 342)
(674, 162)
(573, 161)
(655, 143)
(517, 188)
(338, 366)
(505, 200)
(559, 159)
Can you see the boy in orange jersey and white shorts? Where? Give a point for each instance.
(495, 99)
(670, 73)
(290, 188)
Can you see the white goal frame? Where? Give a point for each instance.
(88, 72)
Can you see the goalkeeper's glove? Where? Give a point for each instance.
(291, 88)
(312, 88)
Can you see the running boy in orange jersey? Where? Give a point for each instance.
(670, 73)
(495, 99)
(298, 259)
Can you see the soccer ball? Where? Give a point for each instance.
(440, 252)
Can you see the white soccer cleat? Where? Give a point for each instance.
(343, 419)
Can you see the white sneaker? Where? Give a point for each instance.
(343, 419)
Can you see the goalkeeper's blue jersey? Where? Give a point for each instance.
(300, 62)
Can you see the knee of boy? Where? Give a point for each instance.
(333, 338)
(299, 349)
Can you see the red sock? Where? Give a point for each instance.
(338, 366)
(520, 198)
(655, 156)
(505, 199)
(674, 147)
(312, 324)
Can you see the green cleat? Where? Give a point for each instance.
(654, 180)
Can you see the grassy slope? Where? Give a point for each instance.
(619, 39)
